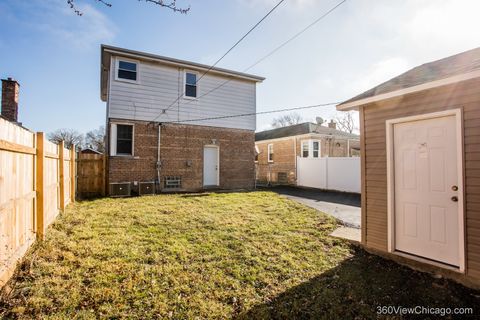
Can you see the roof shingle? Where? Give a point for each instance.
(461, 63)
(302, 128)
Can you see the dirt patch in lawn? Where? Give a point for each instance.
(243, 255)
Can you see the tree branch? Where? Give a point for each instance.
(172, 5)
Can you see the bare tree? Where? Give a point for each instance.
(95, 139)
(171, 4)
(287, 120)
(70, 137)
(346, 121)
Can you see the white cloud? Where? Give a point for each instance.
(381, 72)
(299, 4)
(84, 32)
(444, 27)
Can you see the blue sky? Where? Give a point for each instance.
(54, 54)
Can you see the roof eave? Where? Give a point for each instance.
(354, 105)
(179, 63)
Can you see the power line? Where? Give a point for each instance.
(254, 113)
(266, 56)
(296, 35)
(228, 51)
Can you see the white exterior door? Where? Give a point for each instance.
(426, 189)
(210, 166)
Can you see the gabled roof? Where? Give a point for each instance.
(300, 129)
(459, 67)
(107, 52)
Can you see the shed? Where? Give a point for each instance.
(420, 162)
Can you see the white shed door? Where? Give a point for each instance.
(210, 166)
(426, 184)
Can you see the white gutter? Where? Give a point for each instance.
(347, 106)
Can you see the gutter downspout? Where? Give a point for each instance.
(348, 148)
(159, 163)
(295, 156)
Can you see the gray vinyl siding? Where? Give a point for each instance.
(464, 95)
(159, 86)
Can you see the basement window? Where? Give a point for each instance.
(190, 85)
(121, 140)
(173, 182)
(127, 70)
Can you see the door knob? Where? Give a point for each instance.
(455, 199)
(454, 188)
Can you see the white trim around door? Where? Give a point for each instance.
(457, 113)
(217, 166)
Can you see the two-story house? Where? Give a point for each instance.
(167, 129)
(277, 149)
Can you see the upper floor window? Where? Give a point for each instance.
(190, 84)
(305, 149)
(127, 70)
(121, 140)
(270, 152)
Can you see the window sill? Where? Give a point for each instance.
(127, 81)
(127, 157)
(190, 98)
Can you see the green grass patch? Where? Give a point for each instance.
(227, 255)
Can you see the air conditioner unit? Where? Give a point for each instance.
(146, 188)
(120, 189)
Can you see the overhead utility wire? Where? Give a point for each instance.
(253, 113)
(267, 55)
(226, 53)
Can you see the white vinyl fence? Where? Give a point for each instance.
(341, 174)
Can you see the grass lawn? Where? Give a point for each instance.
(230, 255)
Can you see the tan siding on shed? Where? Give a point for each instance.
(465, 95)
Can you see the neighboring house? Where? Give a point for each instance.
(153, 131)
(277, 149)
(420, 164)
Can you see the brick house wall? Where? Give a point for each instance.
(287, 149)
(181, 154)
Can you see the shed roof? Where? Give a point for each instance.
(450, 67)
(300, 129)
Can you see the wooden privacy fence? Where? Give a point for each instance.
(90, 175)
(37, 182)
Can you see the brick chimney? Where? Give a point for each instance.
(332, 124)
(10, 90)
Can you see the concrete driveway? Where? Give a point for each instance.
(343, 206)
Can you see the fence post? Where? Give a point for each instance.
(61, 167)
(73, 176)
(40, 139)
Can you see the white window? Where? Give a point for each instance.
(127, 70)
(121, 139)
(191, 88)
(305, 148)
(270, 152)
(310, 149)
(316, 149)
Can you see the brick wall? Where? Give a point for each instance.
(284, 156)
(10, 93)
(181, 154)
(283, 161)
